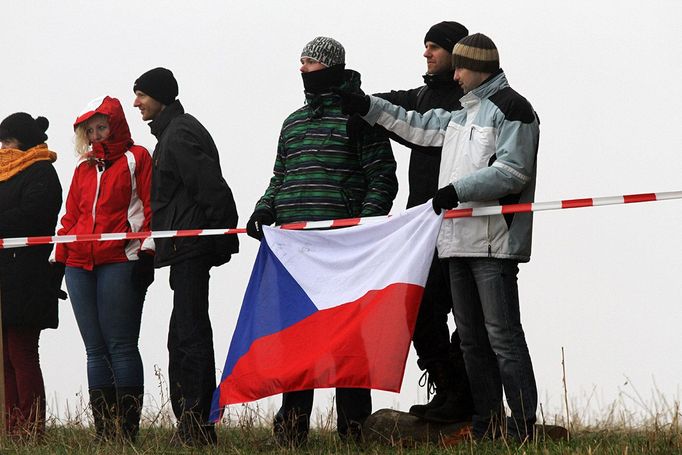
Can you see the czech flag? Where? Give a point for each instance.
(331, 308)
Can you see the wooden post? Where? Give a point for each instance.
(3, 413)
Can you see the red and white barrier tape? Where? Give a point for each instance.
(565, 204)
(456, 213)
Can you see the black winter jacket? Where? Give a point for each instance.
(188, 190)
(29, 205)
(440, 91)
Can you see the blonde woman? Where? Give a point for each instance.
(107, 280)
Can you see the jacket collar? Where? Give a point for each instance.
(496, 82)
(442, 80)
(351, 82)
(161, 122)
(316, 103)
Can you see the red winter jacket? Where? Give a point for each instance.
(109, 193)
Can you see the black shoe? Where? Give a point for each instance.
(352, 434)
(456, 408)
(191, 432)
(436, 380)
(420, 410)
(291, 433)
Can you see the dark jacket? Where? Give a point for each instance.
(440, 91)
(188, 190)
(29, 205)
(320, 173)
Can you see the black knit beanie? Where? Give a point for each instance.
(159, 83)
(25, 129)
(446, 34)
(476, 52)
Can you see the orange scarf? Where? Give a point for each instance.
(13, 161)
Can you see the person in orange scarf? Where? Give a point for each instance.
(30, 199)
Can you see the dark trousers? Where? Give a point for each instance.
(432, 340)
(353, 406)
(24, 388)
(486, 305)
(191, 363)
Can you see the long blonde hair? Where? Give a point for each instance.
(81, 141)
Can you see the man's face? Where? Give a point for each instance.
(438, 60)
(148, 106)
(308, 65)
(468, 79)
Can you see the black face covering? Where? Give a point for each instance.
(322, 80)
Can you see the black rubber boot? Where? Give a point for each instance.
(103, 406)
(129, 411)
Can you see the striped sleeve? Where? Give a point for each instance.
(426, 130)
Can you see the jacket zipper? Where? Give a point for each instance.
(490, 247)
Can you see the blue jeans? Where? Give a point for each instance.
(108, 310)
(486, 306)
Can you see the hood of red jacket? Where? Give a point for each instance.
(119, 140)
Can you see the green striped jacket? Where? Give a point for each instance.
(319, 174)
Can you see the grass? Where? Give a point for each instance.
(76, 439)
(630, 425)
(246, 430)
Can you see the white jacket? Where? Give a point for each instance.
(489, 155)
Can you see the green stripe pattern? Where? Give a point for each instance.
(320, 174)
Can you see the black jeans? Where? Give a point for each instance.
(191, 363)
(431, 338)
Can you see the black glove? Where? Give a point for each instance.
(445, 198)
(143, 271)
(260, 218)
(57, 278)
(356, 127)
(224, 246)
(352, 103)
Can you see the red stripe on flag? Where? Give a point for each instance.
(343, 346)
(576, 203)
(45, 240)
(645, 197)
(459, 213)
(345, 222)
(294, 226)
(517, 208)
